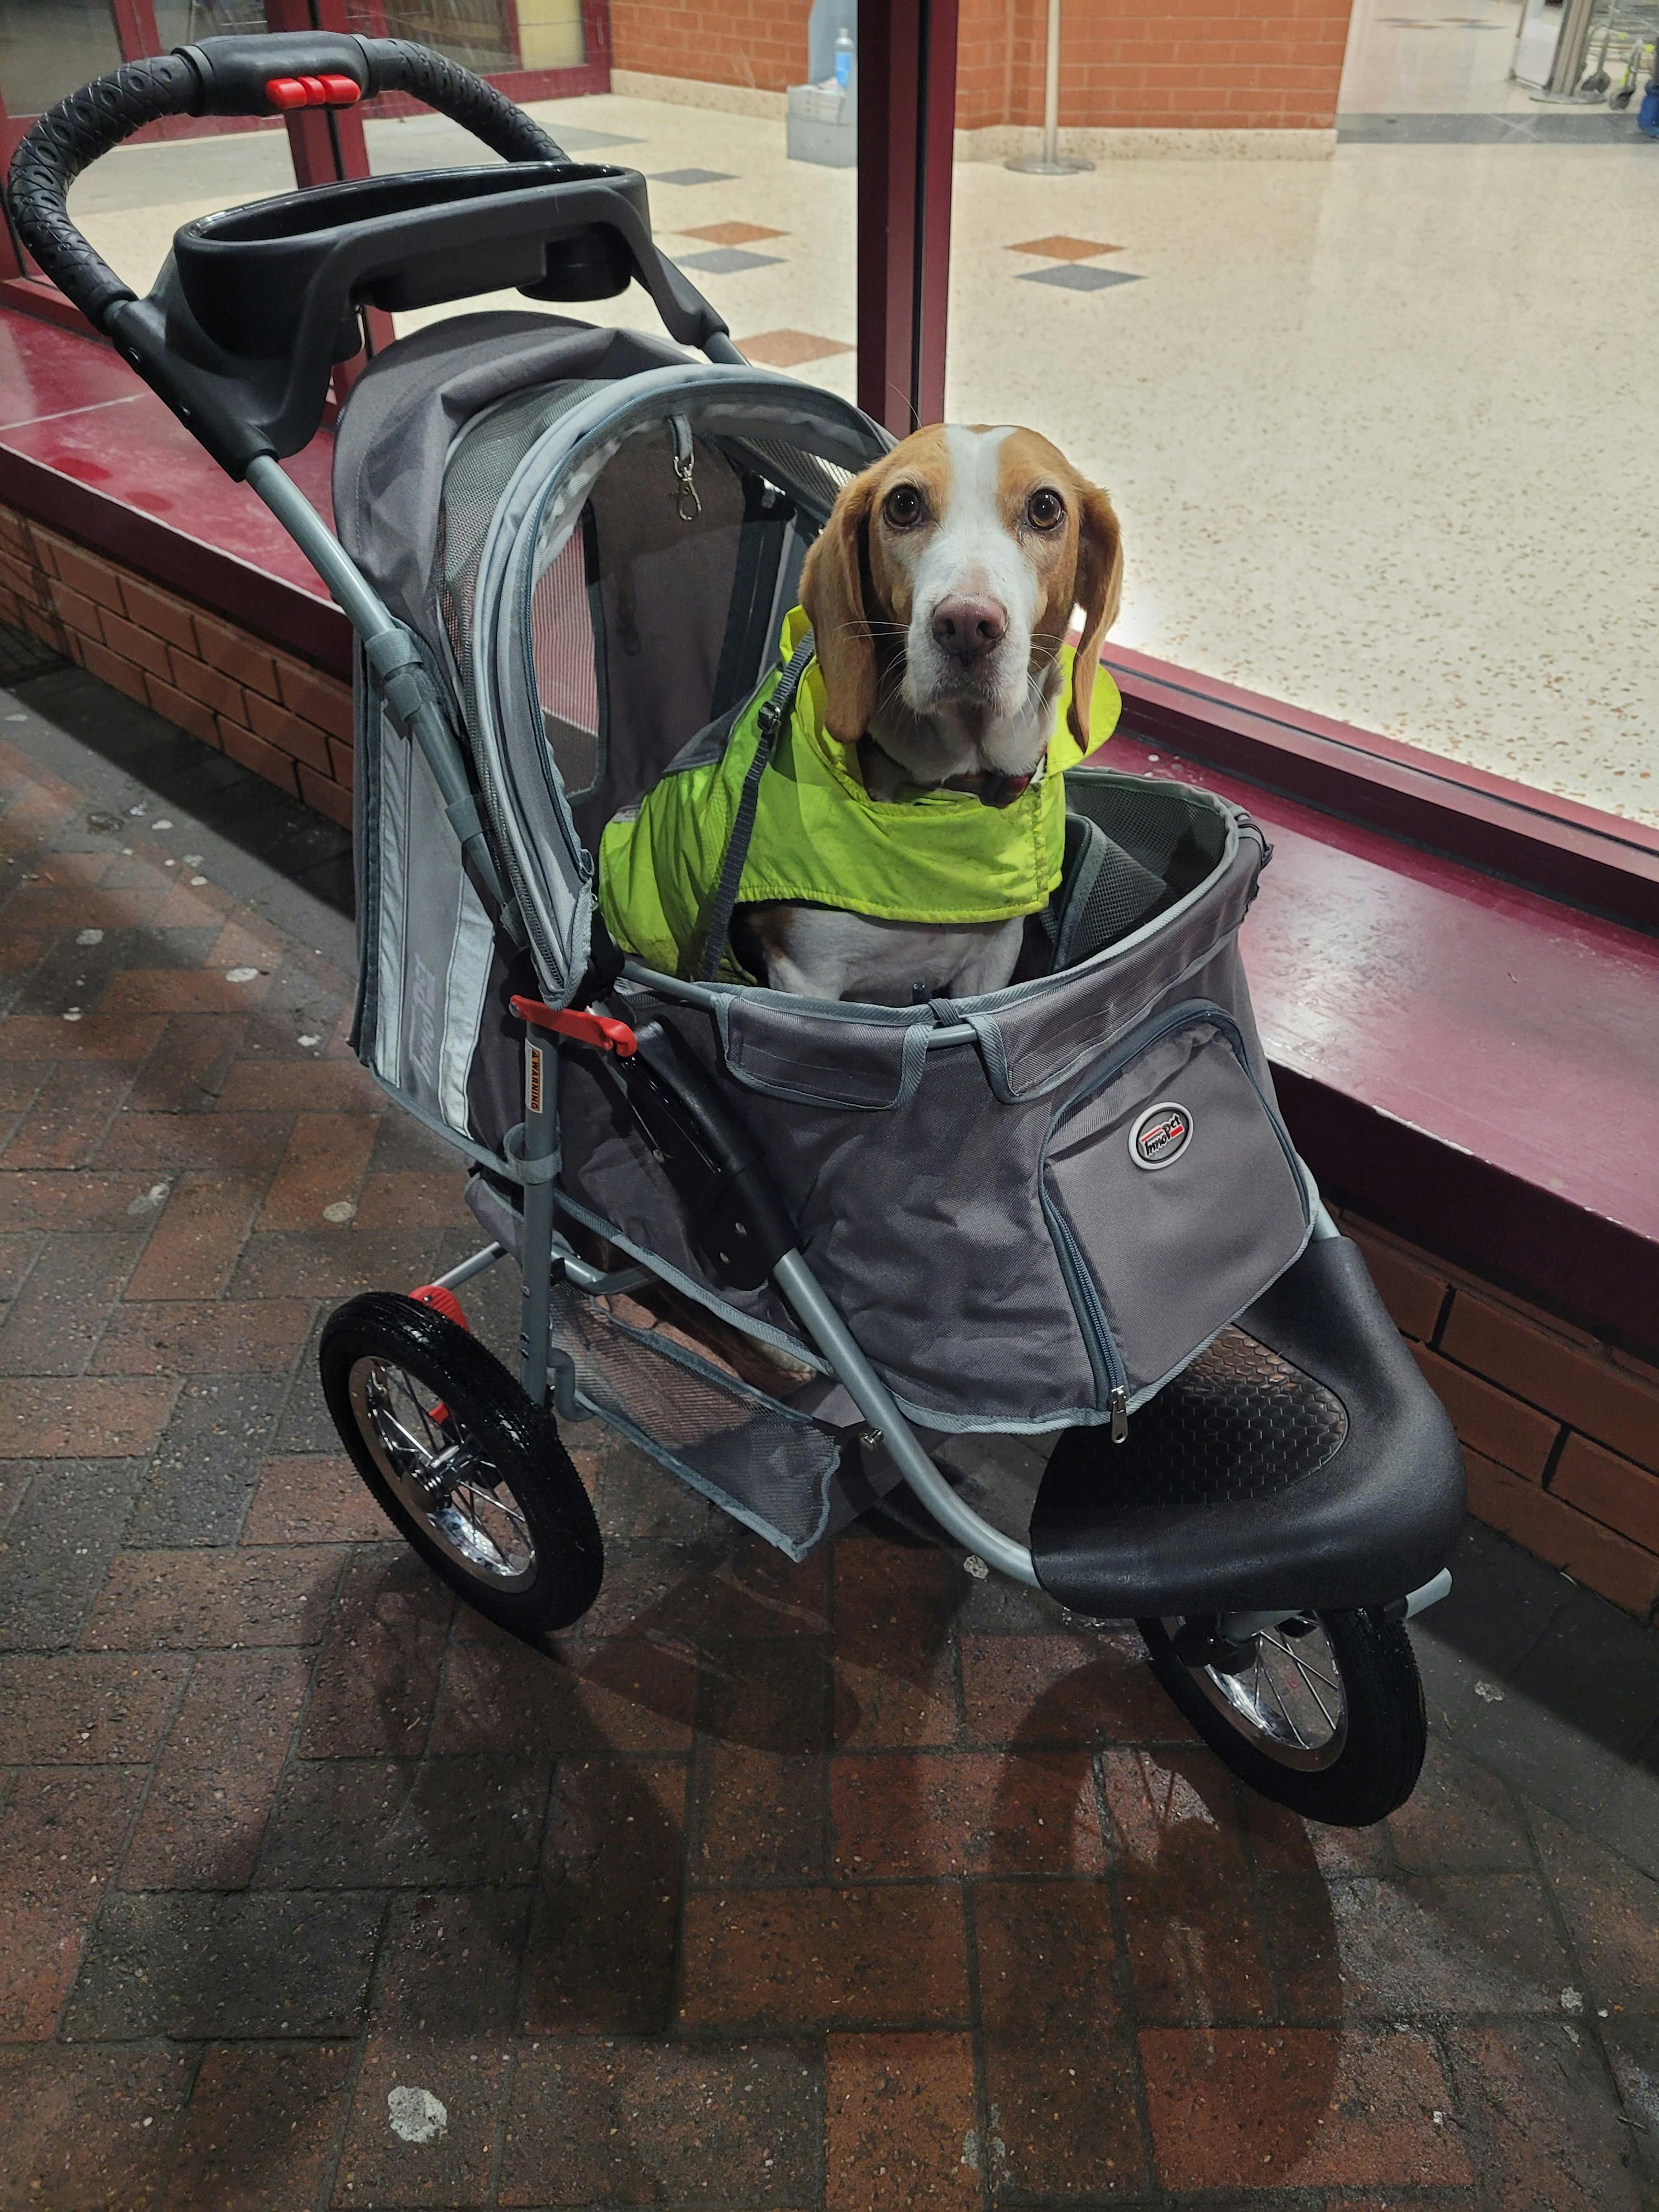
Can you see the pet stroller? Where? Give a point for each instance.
(1068, 1210)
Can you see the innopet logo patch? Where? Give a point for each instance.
(1162, 1134)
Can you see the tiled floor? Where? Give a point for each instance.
(855, 1885)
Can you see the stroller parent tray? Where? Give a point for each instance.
(1301, 1461)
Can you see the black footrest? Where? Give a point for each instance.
(1302, 1460)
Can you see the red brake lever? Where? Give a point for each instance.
(285, 93)
(600, 1030)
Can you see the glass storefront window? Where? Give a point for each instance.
(1329, 353)
(49, 47)
(748, 149)
(488, 36)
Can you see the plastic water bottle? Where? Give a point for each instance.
(844, 53)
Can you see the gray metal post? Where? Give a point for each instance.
(540, 1138)
(1050, 162)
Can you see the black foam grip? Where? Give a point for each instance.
(398, 65)
(61, 144)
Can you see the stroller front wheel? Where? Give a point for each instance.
(468, 1469)
(1323, 1714)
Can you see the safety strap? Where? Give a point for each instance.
(774, 717)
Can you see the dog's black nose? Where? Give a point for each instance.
(970, 627)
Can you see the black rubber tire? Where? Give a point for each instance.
(518, 1439)
(1376, 1771)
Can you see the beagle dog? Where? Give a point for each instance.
(940, 592)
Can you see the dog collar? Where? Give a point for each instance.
(990, 785)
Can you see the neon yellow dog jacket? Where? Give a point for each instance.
(939, 856)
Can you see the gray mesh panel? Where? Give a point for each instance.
(480, 464)
(771, 1467)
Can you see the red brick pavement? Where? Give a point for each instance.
(855, 1885)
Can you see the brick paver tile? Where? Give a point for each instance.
(189, 1336)
(182, 991)
(1308, 2108)
(261, 2127)
(1281, 1842)
(1460, 1819)
(208, 1460)
(1196, 1943)
(943, 1812)
(411, 1198)
(205, 1815)
(1633, 2049)
(61, 1834)
(19, 1249)
(1612, 1913)
(894, 1664)
(348, 1823)
(262, 1083)
(88, 1417)
(1066, 1688)
(90, 2128)
(594, 2122)
(424, 2115)
(191, 1601)
(378, 1672)
(86, 1708)
(325, 1163)
(604, 1938)
(901, 2124)
(60, 1539)
(1427, 1944)
(331, 1262)
(66, 1122)
(59, 1203)
(796, 1958)
(178, 1963)
(761, 1789)
(1540, 2121)
(312, 1498)
(620, 1693)
(449, 1962)
(198, 1238)
(53, 1326)
(1060, 2068)
(207, 1144)
(126, 1037)
(187, 1069)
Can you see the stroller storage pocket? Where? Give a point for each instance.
(769, 1466)
(1172, 1193)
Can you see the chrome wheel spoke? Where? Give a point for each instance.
(438, 1477)
(1298, 1718)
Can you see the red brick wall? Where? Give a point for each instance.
(1560, 1432)
(757, 43)
(1170, 65)
(289, 722)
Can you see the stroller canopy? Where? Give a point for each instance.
(597, 537)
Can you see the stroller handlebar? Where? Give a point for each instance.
(254, 307)
(233, 76)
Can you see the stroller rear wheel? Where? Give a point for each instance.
(1323, 1714)
(462, 1461)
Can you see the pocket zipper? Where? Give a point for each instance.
(1085, 1299)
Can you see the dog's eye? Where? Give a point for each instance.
(1045, 510)
(903, 507)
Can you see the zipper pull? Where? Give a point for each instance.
(687, 505)
(1118, 1402)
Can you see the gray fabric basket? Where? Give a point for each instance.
(980, 1209)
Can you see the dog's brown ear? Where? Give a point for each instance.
(832, 592)
(1098, 590)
